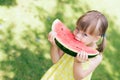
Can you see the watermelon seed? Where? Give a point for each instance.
(62, 29)
(77, 47)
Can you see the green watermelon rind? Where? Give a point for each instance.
(68, 51)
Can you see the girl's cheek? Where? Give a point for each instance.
(83, 41)
(86, 42)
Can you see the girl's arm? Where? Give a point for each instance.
(55, 52)
(80, 73)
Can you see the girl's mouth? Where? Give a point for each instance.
(78, 39)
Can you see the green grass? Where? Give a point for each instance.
(24, 26)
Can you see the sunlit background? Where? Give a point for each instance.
(25, 24)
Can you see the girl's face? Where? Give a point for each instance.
(85, 37)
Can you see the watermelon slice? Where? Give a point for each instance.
(66, 41)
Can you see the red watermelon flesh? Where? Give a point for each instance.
(66, 38)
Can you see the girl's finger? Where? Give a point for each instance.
(51, 37)
(86, 56)
(82, 55)
(78, 54)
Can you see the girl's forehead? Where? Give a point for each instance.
(94, 28)
(91, 30)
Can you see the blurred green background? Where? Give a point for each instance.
(25, 24)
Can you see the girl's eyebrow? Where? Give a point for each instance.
(77, 28)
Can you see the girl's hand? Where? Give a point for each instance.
(51, 37)
(81, 57)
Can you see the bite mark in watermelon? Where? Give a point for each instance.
(66, 41)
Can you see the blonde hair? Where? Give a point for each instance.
(97, 24)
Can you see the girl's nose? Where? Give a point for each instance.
(79, 37)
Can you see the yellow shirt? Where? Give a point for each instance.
(63, 69)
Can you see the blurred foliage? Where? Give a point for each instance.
(24, 26)
(8, 3)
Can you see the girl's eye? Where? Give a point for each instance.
(85, 34)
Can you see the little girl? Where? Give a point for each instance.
(90, 28)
